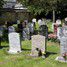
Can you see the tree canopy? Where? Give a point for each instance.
(38, 6)
(1, 3)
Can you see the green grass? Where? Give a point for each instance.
(24, 60)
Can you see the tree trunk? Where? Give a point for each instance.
(53, 16)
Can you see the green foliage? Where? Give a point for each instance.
(1, 3)
(39, 6)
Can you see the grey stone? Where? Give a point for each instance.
(38, 45)
(60, 59)
(11, 29)
(1, 30)
(31, 27)
(63, 45)
(59, 33)
(14, 43)
(63, 41)
(26, 34)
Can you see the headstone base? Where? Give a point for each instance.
(14, 52)
(34, 54)
(60, 59)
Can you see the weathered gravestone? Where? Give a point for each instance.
(38, 45)
(14, 43)
(31, 27)
(11, 29)
(63, 45)
(43, 30)
(26, 33)
(59, 31)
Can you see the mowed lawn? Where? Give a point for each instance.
(24, 60)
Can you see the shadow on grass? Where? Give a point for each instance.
(26, 49)
(50, 53)
(3, 47)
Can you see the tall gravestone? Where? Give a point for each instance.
(38, 45)
(63, 45)
(14, 43)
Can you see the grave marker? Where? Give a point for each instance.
(38, 45)
(63, 45)
(14, 43)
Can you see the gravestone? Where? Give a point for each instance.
(39, 22)
(14, 43)
(26, 33)
(34, 21)
(11, 29)
(31, 29)
(1, 33)
(63, 45)
(43, 30)
(38, 45)
(58, 21)
(59, 31)
(1, 30)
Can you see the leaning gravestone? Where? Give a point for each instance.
(14, 43)
(38, 45)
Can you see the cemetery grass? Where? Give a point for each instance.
(24, 60)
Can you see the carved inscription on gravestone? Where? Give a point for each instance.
(38, 44)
